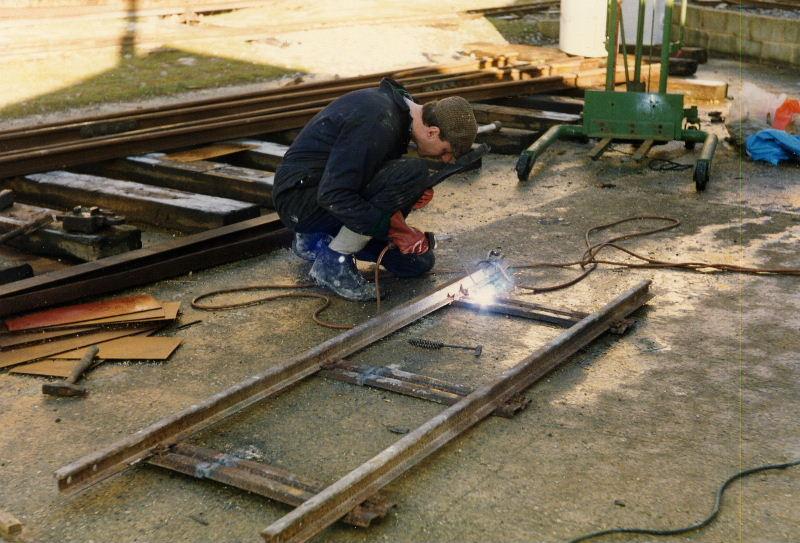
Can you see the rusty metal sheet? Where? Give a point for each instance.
(83, 312)
(47, 367)
(16, 339)
(47, 350)
(168, 312)
(130, 348)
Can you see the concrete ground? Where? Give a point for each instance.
(637, 430)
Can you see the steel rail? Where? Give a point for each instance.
(87, 128)
(229, 127)
(130, 450)
(334, 502)
(41, 137)
(194, 252)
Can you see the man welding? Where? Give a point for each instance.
(345, 191)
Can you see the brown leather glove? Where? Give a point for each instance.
(407, 239)
(425, 199)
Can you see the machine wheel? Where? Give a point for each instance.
(701, 172)
(524, 166)
(689, 145)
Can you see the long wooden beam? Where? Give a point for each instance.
(328, 506)
(168, 431)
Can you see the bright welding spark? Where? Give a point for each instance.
(485, 295)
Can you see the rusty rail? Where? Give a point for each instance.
(170, 430)
(328, 506)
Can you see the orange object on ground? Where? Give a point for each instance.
(785, 113)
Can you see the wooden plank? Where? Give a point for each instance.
(699, 90)
(169, 208)
(47, 350)
(199, 176)
(10, 527)
(207, 151)
(130, 348)
(119, 456)
(325, 508)
(52, 240)
(262, 154)
(83, 312)
(518, 117)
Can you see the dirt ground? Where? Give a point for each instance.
(637, 430)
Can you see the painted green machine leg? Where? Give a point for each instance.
(528, 157)
(702, 168)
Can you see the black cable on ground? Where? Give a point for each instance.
(589, 260)
(664, 165)
(697, 525)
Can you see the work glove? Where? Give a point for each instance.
(424, 200)
(407, 239)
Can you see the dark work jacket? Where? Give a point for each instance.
(338, 152)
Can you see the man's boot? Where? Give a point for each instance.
(306, 245)
(338, 272)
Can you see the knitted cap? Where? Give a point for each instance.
(457, 123)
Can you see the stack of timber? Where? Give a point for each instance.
(51, 342)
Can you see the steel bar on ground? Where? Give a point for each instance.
(142, 266)
(258, 478)
(413, 384)
(120, 455)
(328, 506)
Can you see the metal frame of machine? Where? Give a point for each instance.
(634, 115)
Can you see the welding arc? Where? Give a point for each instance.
(589, 260)
(326, 301)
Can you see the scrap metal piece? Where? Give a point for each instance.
(89, 220)
(412, 384)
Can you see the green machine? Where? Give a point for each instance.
(633, 115)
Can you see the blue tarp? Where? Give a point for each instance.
(773, 146)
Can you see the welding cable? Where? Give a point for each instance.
(326, 301)
(666, 165)
(697, 525)
(589, 260)
(378, 276)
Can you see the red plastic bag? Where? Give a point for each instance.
(785, 113)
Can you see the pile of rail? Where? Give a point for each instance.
(92, 139)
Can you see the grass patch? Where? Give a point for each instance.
(161, 72)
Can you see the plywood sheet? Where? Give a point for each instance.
(83, 312)
(47, 350)
(130, 348)
(209, 151)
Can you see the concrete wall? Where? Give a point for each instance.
(756, 36)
